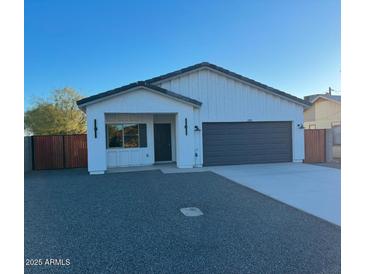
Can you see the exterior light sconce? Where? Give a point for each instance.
(186, 126)
(196, 128)
(95, 130)
(300, 126)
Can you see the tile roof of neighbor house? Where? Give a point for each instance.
(313, 97)
(149, 83)
(139, 84)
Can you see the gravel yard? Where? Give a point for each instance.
(131, 223)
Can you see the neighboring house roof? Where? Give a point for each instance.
(315, 97)
(144, 84)
(150, 84)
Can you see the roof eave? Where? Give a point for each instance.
(236, 76)
(325, 98)
(83, 103)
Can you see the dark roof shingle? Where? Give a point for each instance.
(138, 84)
(150, 84)
(312, 97)
(232, 74)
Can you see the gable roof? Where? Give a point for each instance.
(151, 84)
(315, 97)
(142, 84)
(233, 75)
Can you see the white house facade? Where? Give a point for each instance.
(197, 116)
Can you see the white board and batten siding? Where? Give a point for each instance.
(225, 99)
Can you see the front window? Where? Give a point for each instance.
(115, 135)
(131, 136)
(126, 135)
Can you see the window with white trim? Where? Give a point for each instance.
(126, 135)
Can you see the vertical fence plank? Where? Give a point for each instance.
(48, 152)
(60, 151)
(75, 151)
(315, 145)
(28, 154)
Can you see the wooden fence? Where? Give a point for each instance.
(59, 151)
(28, 154)
(315, 145)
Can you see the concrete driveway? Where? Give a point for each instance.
(313, 189)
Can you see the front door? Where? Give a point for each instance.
(162, 135)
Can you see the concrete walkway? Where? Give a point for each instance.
(313, 189)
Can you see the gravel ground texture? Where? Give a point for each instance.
(131, 223)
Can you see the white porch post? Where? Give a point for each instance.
(96, 149)
(297, 141)
(185, 139)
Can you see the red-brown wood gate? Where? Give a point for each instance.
(59, 151)
(315, 145)
(75, 148)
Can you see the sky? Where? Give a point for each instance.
(94, 46)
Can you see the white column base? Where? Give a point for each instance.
(96, 172)
(298, 161)
(185, 166)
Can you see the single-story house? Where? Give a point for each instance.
(198, 116)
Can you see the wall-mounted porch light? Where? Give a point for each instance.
(186, 126)
(196, 128)
(95, 129)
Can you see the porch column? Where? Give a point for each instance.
(96, 149)
(297, 141)
(185, 139)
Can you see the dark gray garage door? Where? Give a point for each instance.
(246, 143)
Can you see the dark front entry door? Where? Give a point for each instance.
(162, 135)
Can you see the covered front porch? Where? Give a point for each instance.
(139, 126)
(140, 139)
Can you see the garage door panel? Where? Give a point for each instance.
(240, 161)
(253, 152)
(248, 131)
(246, 142)
(248, 134)
(255, 158)
(257, 149)
(272, 146)
(237, 159)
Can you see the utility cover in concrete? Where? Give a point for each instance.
(191, 211)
